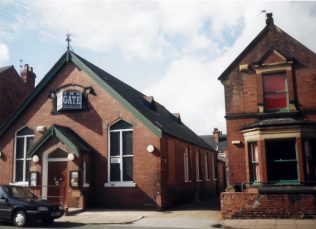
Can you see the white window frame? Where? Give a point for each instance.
(214, 160)
(120, 157)
(197, 166)
(206, 170)
(186, 165)
(25, 179)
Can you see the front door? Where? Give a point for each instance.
(57, 181)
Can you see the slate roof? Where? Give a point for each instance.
(159, 116)
(219, 146)
(155, 116)
(66, 135)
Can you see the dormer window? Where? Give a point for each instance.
(275, 92)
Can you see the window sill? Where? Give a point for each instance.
(199, 180)
(187, 181)
(120, 184)
(20, 183)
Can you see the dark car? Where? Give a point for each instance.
(19, 205)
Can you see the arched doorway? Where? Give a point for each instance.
(55, 175)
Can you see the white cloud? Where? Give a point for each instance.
(197, 40)
(4, 54)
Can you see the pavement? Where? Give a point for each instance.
(203, 214)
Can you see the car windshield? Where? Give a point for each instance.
(19, 192)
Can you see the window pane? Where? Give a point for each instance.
(281, 150)
(115, 172)
(275, 100)
(128, 168)
(29, 143)
(114, 143)
(272, 83)
(121, 125)
(19, 170)
(27, 170)
(278, 154)
(127, 143)
(25, 131)
(282, 171)
(19, 148)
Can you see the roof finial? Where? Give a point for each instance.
(68, 40)
(269, 20)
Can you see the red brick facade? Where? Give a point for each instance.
(12, 91)
(158, 176)
(272, 51)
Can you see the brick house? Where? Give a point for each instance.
(271, 124)
(14, 88)
(85, 138)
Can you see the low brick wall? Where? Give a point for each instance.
(242, 205)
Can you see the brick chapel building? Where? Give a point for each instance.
(85, 138)
(270, 91)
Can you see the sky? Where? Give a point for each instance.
(172, 50)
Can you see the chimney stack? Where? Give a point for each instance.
(28, 76)
(216, 135)
(269, 20)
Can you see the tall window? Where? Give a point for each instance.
(275, 92)
(186, 165)
(206, 170)
(253, 155)
(121, 152)
(214, 160)
(197, 166)
(23, 141)
(281, 160)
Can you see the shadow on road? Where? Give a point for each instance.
(4, 224)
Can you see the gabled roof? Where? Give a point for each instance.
(158, 120)
(2, 69)
(220, 145)
(67, 136)
(253, 43)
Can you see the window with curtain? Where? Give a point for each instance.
(275, 92)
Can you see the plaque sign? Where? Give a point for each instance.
(69, 100)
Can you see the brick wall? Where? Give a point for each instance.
(178, 191)
(242, 205)
(12, 91)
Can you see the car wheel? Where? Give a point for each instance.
(48, 221)
(19, 219)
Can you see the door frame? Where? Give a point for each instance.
(45, 167)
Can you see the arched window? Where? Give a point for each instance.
(121, 152)
(23, 141)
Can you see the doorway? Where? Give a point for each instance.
(55, 175)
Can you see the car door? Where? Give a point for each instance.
(4, 205)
